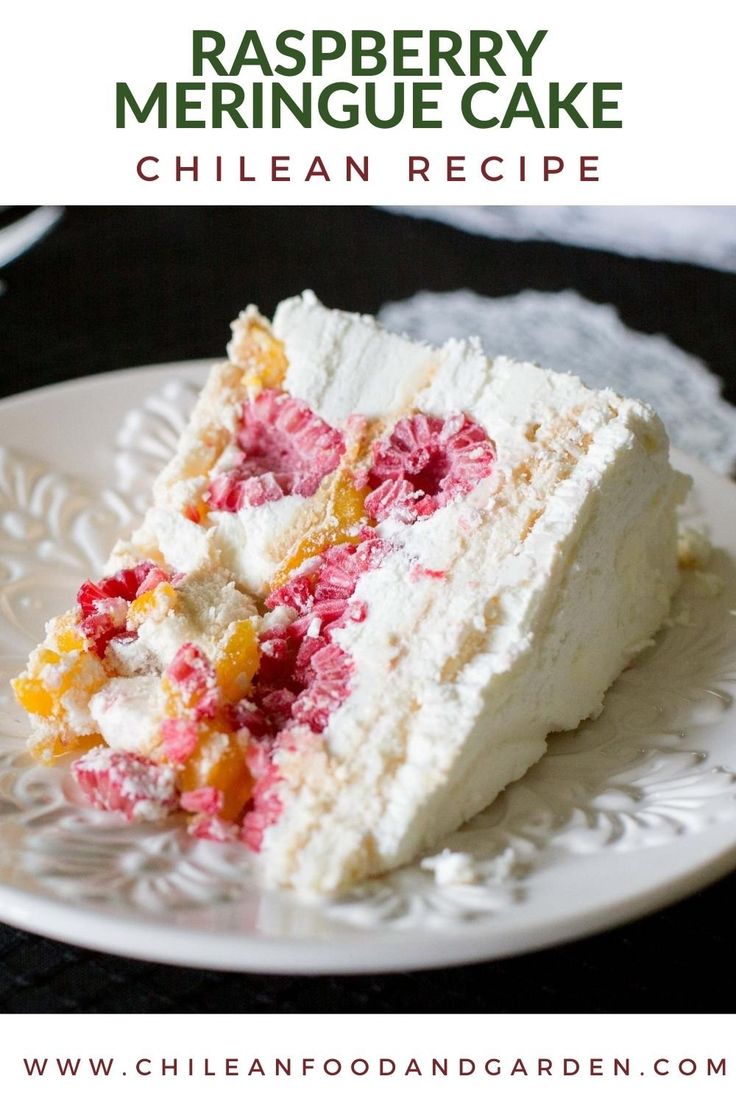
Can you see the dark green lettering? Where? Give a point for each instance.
(320, 54)
(600, 105)
(125, 98)
(301, 112)
(565, 103)
(283, 47)
(419, 104)
(468, 108)
(375, 51)
(350, 118)
(251, 40)
(184, 105)
(402, 52)
(371, 114)
(222, 106)
(522, 94)
(526, 53)
(489, 55)
(211, 54)
(448, 54)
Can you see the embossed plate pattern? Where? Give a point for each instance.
(633, 810)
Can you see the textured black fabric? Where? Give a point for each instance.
(678, 960)
(111, 288)
(116, 287)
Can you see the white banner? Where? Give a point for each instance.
(278, 1058)
(518, 102)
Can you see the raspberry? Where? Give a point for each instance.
(207, 799)
(393, 498)
(232, 490)
(324, 591)
(343, 565)
(356, 611)
(90, 597)
(278, 653)
(267, 805)
(193, 676)
(151, 579)
(323, 613)
(105, 620)
(425, 462)
(330, 671)
(278, 705)
(212, 828)
(127, 584)
(303, 662)
(303, 674)
(179, 739)
(418, 571)
(296, 594)
(259, 762)
(122, 782)
(104, 605)
(285, 448)
(323, 598)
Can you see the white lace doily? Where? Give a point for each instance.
(697, 235)
(563, 331)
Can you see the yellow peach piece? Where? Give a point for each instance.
(33, 696)
(196, 511)
(239, 661)
(345, 514)
(153, 605)
(262, 357)
(63, 745)
(219, 761)
(40, 691)
(69, 641)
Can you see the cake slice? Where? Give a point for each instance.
(375, 576)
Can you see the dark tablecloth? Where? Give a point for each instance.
(111, 288)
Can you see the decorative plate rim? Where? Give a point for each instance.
(353, 953)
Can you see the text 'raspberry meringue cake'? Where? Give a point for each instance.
(375, 576)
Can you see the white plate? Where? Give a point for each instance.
(633, 811)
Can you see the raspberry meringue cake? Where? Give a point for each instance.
(375, 577)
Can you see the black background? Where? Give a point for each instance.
(114, 287)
